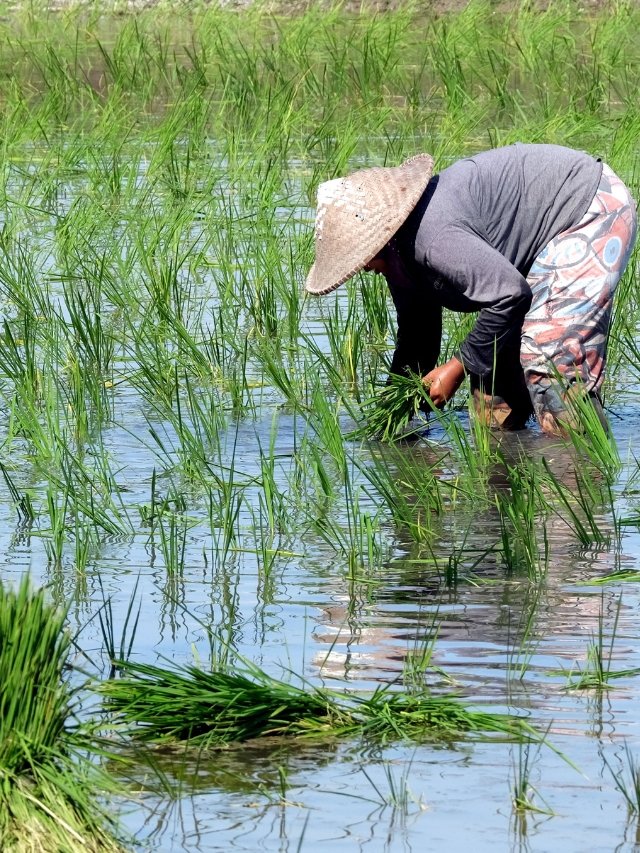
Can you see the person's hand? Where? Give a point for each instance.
(444, 381)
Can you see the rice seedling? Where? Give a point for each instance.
(121, 651)
(627, 780)
(173, 542)
(591, 437)
(399, 795)
(325, 423)
(388, 413)
(470, 460)
(345, 335)
(226, 706)
(523, 792)
(418, 660)
(520, 660)
(462, 556)
(519, 521)
(620, 575)
(56, 537)
(49, 798)
(597, 671)
(585, 524)
(356, 536)
(22, 502)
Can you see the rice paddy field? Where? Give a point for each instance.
(282, 634)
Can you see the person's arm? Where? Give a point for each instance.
(419, 331)
(491, 283)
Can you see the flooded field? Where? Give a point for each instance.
(177, 458)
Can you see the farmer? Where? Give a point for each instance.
(533, 237)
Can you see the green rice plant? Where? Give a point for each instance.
(56, 536)
(84, 542)
(324, 420)
(519, 661)
(49, 797)
(591, 438)
(19, 357)
(627, 783)
(345, 334)
(356, 535)
(375, 302)
(470, 460)
(460, 557)
(22, 502)
(388, 413)
(585, 523)
(598, 672)
(272, 498)
(280, 375)
(266, 544)
(197, 419)
(173, 542)
(398, 795)
(86, 317)
(319, 475)
(523, 792)
(122, 651)
(408, 489)
(88, 492)
(264, 308)
(620, 575)
(226, 706)
(520, 522)
(418, 660)
(224, 502)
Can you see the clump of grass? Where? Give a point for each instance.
(48, 787)
(234, 705)
(389, 412)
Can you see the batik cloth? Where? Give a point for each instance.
(573, 281)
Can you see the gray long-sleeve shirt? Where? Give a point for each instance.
(471, 240)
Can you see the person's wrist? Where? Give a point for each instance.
(457, 368)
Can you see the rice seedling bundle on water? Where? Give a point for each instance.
(48, 787)
(234, 705)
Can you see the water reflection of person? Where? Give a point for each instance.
(484, 614)
(534, 237)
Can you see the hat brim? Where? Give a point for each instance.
(349, 244)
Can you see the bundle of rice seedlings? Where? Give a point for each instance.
(208, 708)
(187, 703)
(48, 786)
(389, 412)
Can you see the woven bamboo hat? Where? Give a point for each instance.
(358, 215)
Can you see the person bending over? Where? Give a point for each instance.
(533, 237)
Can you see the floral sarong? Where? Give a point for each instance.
(573, 281)
(564, 335)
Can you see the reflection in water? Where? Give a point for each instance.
(500, 640)
(483, 618)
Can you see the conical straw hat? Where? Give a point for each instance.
(359, 214)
